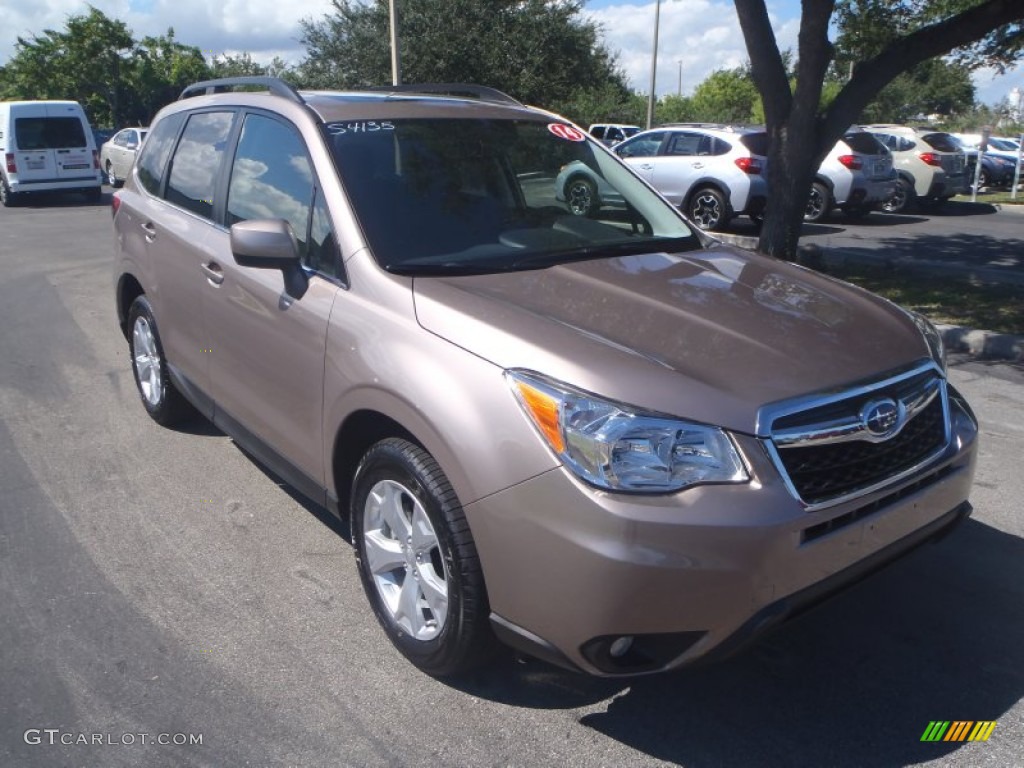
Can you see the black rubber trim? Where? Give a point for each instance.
(793, 605)
(523, 640)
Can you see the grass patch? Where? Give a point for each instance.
(995, 198)
(944, 299)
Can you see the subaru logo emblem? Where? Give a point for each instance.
(882, 418)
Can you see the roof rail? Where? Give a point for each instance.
(275, 85)
(481, 92)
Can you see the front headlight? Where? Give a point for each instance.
(618, 448)
(932, 337)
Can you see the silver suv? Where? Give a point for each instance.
(712, 172)
(856, 176)
(607, 442)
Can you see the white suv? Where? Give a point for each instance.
(856, 176)
(711, 172)
(930, 165)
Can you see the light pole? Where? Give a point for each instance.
(396, 64)
(654, 64)
(679, 92)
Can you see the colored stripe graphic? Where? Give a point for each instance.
(935, 731)
(958, 730)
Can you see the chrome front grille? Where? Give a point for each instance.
(830, 449)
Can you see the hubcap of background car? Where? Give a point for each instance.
(580, 198)
(815, 205)
(148, 372)
(111, 178)
(706, 211)
(404, 560)
(895, 203)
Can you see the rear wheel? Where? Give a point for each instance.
(8, 199)
(818, 203)
(417, 559)
(581, 197)
(708, 209)
(902, 198)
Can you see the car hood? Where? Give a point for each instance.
(709, 335)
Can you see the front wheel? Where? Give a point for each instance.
(112, 179)
(708, 209)
(417, 560)
(818, 203)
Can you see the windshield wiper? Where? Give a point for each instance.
(605, 251)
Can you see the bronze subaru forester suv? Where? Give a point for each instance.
(607, 441)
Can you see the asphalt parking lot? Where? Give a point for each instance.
(159, 582)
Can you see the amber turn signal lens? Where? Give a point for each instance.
(544, 410)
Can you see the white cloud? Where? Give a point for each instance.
(702, 34)
(264, 28)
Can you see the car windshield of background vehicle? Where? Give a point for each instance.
(441, 196)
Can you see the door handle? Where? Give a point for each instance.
(647, 167)
(150, 231)
(213, 272)
(698, 165)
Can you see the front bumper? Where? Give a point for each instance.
(571, 569)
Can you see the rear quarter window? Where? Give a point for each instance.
(153, 159)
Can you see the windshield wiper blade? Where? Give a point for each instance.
(603, 251)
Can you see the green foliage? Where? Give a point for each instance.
(725, 96)
(935, 87)
(539, 51)
(96, 61)
(675, 109)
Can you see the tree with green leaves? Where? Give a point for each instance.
(902, 35)
(538, 51)
(726, 96)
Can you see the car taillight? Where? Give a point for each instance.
(931, 158)
(749, 165)
(852, 162)
(95, 160)
(11, 167)
(115, 203)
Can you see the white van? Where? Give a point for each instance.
(46, 146)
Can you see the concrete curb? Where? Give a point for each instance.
(981, 344)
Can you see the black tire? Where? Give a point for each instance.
(401, 472)
(983, 180)
(581, 196)
(902, 199)
(162, 401)
(708, 209)
(112, 179)
(819, 203)
(8, 199)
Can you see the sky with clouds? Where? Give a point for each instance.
(698, 35)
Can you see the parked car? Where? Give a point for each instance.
(998, 163)
(614, 444)
(930, 165)
(712, 173)
(856, 176)
(611, 134)
(47, 146)
(118, 154)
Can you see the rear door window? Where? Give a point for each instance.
(196, 162)
(941, 142)
(686, 144)
(49, 133)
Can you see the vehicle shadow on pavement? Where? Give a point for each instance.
(41, 200)
(971, 250)
(855, 682)
(964, 208)
(881, 219)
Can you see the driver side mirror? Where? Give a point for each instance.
(270, 244)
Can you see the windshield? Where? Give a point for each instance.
(461, 196)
